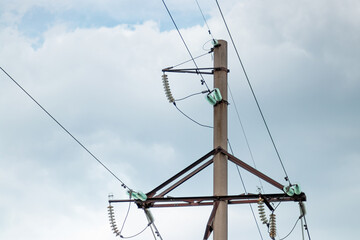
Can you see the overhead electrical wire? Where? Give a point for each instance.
(245, 135)
(236, 109)
(237, 112)
(302, 229)
(194, 94)
(253, 93)
(202, 125)
(243, 183)
(191, 95)
(307, 228)
(301, 217)
(67, 131)
(272, 227)
(291, 229)
(191, 59)
(137, 234)
(171, 99)
(202, 14)
(155, 231)
(126, 216)
(186, 46)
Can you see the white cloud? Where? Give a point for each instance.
(104, 85)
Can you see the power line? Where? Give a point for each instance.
(243, 183)
(191, 59)
(67, 131)
(137, 234)
(126, 216)
(202, 14)
(191, 95)
(202, 125)
(244, 133)
(307, 228)
(155, 231)
(187, 48)
(253, 93)
(291, 229)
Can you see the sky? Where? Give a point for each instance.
(95, 66)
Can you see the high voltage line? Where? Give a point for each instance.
(67, 131)
(202, 81)
(186, 46)
(253, 93)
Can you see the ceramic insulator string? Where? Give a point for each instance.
(112, 220)
(167, 88)
(272, 226)
(261, 210)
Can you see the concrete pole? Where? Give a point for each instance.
(220, 225)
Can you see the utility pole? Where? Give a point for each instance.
(220, 226)
(218, 219)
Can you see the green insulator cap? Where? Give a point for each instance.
(211, 99)
(297, 189)
(217, 95)
(215, 42)
(138, 195)
(142, 196)
(289, 191)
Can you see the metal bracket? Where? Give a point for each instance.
(196, 70)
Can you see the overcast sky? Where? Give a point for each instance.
(96, 67)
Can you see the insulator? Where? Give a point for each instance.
(289, 191)
(302, 209)
(112, 220)
(217, 95)
(149, 216)
(138, 195)
(272, 226)
(211, 99)
(167, 88)
(215, 42)
(261, 210)
(214, 96)
(297, 189)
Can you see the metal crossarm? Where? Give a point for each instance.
(210, 200)
(209, 70)
(188, 175)
(160, 200)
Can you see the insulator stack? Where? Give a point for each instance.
(149, 216)
(167, 88)
(261, 210)
(112, 220)
(302, 209)
(272, 226)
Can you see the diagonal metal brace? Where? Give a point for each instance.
(209, 225)
(184, 171)
(250, 169)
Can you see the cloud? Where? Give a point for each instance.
(102, 81)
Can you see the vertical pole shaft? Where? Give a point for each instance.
(220, 225)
